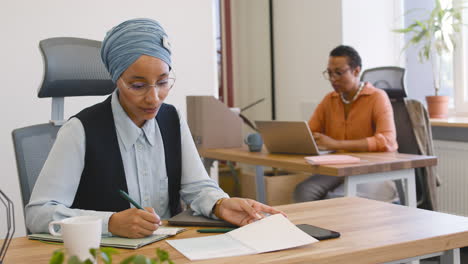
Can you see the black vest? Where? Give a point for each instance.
(103, 174)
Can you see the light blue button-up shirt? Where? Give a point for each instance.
(144, 163)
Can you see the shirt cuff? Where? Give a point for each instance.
(105, 224)
(206, 208)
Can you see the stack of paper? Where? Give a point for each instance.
(269, 234)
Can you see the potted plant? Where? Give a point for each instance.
(433, 38)
(104, 255)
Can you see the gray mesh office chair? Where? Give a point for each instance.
(73, 67)
(391, 80)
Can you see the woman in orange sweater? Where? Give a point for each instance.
(356, 116)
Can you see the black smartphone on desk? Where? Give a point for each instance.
(318, 232)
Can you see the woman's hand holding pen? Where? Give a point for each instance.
(241, 211)
(134, 223)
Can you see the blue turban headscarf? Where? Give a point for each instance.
(125, 43)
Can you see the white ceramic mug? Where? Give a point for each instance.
(79, 233)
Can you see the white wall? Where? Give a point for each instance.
(368, 25)
(251, 57)
(304, 33)
(188, 23)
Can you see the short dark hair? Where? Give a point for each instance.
(354, 60)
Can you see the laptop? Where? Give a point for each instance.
(186, 218)
(290, 137)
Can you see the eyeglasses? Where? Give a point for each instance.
(142, 88)
(328, 75)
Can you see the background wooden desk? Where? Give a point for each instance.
(371, 232)
(374, 166)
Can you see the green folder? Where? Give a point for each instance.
(118, 242)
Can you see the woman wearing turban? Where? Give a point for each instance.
(132, 142)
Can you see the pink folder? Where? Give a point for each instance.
(331, 159)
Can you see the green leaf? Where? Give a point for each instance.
(402, 30)
(408, 29)
(109, 250)
(106, 254)
(437, 6)
(128, 260)
(162, 254)
(93, 252)
(74, 260)
(57, 257)
(416, 39)
(426, 52)
(422, 25)
(140, 259)
(106, 258)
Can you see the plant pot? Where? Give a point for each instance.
(437, 106)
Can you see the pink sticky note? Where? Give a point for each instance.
(331, 159)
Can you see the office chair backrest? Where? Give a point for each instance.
(73, 67)
(32, 146)
(391, 80)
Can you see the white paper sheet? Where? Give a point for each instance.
(210, 247)
(272, 233)
(269, 234)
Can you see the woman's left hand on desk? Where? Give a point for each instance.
(325, 142)
(240, 211)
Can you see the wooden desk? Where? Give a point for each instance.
(371, 232)
(450, 122)
(375, 166)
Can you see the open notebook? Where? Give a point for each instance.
(120, 242)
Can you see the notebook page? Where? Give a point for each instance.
(171, 231)
(210, 247)
(272, 233)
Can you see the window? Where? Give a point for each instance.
(460, 69)
(446, 66)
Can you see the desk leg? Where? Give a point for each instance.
(260, 183)
(350, 186)
(351, 182)
(411, 189)
(450, 257)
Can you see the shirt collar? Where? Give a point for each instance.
(126, 129)
(366, 90)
